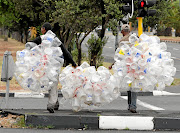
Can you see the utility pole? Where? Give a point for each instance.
(140, 26)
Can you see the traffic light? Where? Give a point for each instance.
(142, 4)
(128, 7)
(141, 8)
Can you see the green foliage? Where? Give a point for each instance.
(161, 11)
(176, 82)
(126, 128)
(113, 23)
(75, 55)
(75, 16)
(44, 127)
(39, 127)
(21, 122)
(7, 13)
(85, 127)
(95, 46)
(98, 115)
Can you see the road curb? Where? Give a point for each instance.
(28, 95)
(64, 122)
(138, 123)
(170, 41)
(80, 121)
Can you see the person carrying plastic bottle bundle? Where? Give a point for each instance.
(53, 103)
(132, 96)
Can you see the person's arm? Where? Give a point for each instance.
(67, 55)
(33, 43)
(37, 40)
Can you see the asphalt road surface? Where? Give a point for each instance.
(76, 131)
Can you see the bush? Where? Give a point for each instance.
(75, 55)
(95, 46)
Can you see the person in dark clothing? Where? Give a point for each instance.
(67, 56)
(53, 103)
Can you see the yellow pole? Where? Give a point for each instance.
(140, 26)
(149, 28)
(130, 24)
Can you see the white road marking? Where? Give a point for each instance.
(107, 47)
(175, 49)
(175, 58)
(164, 93)
(146, 105)
(28, 94)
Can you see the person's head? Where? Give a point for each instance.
(125, 29)
(45, 27)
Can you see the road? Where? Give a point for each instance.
(76, 131)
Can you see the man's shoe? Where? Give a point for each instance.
(132, 110)
(50, 110)
(56, 107)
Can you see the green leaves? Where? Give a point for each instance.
(95, 46)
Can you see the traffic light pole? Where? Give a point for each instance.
(140, 26)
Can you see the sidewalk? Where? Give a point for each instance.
(170, 39)
(101, 119)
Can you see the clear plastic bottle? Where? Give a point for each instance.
(76, 104)
(163, 46)
(133, 38)
(81, 95)
(144, 38)
(128, 78)
(84, 65)
(67, 92)
(97, 100)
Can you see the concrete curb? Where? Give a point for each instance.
(28, 95)
(170, 41)
(93, 121)
(138, 123)
(64, 122)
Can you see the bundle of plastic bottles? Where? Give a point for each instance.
(143, 64)
(39, 67)
(84, 86)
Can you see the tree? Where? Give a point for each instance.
(110, 15)
(19, 15)
(76, 20)
(31, 13)
(173, 17)
(8, 15)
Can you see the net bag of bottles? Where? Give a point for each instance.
(38, 68)
(143, 64)
(86, 87)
